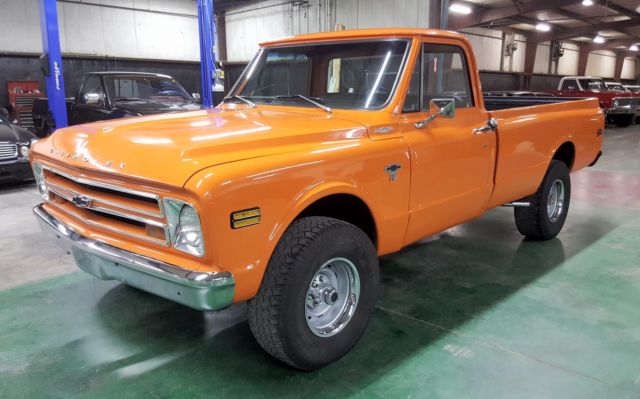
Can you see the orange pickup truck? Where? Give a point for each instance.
(331, 150)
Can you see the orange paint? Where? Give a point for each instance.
(283, 158)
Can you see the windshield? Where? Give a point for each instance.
(154, 88)
(615, 87)
(349, 75)
(592, 84)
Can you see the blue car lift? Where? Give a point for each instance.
(207, 51)
(53, 57)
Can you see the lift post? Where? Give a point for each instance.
(52, 62)
(207, 51)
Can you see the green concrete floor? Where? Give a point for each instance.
(473, 313)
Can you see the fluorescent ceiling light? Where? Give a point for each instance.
(587, 2)
(543, 27)
(633, 47)
(458, 8)
(598, 39)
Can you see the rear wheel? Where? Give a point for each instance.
(317, 294)
(544, 217)
(623, 120)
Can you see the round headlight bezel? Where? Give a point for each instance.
(38, 173)
(24, 151)
(185, 228)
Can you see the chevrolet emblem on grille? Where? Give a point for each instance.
(81, 201)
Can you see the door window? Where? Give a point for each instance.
(440, 73)
(445, 75)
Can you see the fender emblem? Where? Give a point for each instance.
(81, 201)
(392, 170)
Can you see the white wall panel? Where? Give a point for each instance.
(89, 29)
(487, 46)
(20, 32)
(601, 63)
(247, 27)
(629, 68)
(568, 63)
(542, 59)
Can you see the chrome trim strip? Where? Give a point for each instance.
(108, 186)
(199, 290)
(164, 243)
(104, 201)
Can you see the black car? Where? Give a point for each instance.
(15, 143)
(112, 95)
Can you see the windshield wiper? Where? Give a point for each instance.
(313, 100)
(244, 100)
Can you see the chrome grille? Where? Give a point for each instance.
(8, 151)
(117, 209)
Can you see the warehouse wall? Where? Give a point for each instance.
(568, 63)
(248, 26)
(107, 27)
(138, 35)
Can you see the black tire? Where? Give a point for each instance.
(277, 315)
(534, 221)
(624, 120)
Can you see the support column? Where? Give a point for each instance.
(207, 51)
(582, 60)
(619, 64)
(52, 62)
(438, 14)
(529, 63)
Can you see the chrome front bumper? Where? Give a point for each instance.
(198, 290)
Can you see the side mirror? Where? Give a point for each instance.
(445, 107)
(91, 98)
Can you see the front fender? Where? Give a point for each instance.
(282, 186)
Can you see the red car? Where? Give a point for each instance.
(621, 108)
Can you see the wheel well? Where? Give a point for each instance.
(346, 207)
(566, 153)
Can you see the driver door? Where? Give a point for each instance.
(451, 166)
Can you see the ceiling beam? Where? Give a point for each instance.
(611, 44)
(583, 30)
(487, 16)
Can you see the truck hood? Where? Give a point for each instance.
(170, 148)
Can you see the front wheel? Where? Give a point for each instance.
(548, 207)
(317, 294)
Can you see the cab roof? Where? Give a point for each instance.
(362, 33)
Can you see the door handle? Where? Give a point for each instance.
(491, 126)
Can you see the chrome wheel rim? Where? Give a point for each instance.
(555, 201)
(332, 297)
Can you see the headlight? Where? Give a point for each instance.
(615, 103)
(24, 151)
(38, 173)
(185, 230)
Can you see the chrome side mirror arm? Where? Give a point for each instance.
(448, 110)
